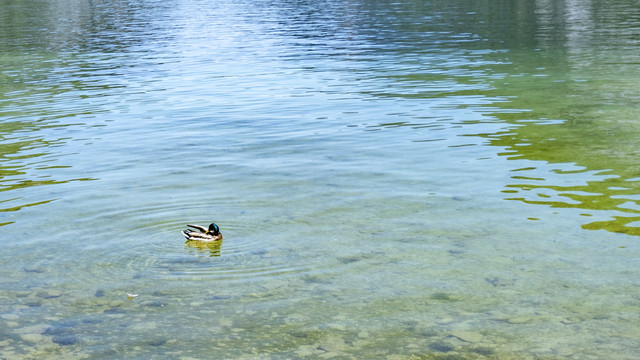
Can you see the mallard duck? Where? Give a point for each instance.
(211, 234)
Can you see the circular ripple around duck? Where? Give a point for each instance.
(239, 256)
(121, 245)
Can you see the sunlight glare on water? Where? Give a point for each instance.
(394, 180)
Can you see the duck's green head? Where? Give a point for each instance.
(213, 229)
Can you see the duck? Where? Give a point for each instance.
(206, 235)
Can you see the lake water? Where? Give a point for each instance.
(393, 179)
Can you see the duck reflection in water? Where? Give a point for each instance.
(213, 247)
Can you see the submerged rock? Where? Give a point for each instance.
(347, 259)
(62, 333)
(114, 310)
(467, 336)
(484, 351)
(49, 294)
(154, 304)
(33, 338)
(519, 319)
(157, 342)
(445, 297)
(65, 339)
(440, 347)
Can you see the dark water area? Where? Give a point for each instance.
(393, 179)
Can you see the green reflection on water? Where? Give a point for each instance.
(581, 126)
(566, 84)
(28, 160)
(569, 94)
(555, 117)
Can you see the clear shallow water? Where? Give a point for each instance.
(393, 180)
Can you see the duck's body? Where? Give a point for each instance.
(207, 235)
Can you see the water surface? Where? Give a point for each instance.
(399, 180)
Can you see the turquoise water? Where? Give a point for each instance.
(394, 180)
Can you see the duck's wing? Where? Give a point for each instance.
(201, 228)
(192, 235)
